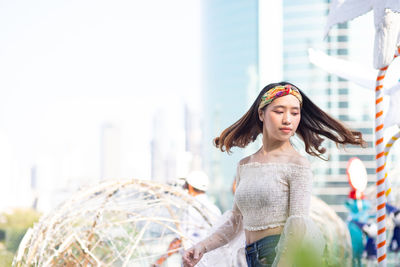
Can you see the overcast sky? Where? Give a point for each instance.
(67, 67)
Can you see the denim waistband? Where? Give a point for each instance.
(270, 241)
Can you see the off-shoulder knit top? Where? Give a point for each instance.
(268, 193)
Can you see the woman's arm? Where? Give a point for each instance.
(222, 235)
(231, 228)
(225, 232)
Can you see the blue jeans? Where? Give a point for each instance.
(262, 252)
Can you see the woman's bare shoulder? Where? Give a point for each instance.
(245, 160)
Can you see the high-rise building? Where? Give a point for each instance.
(230, 69)
(303, 27)
(34, 187)
(110, 152)
(193, 138)
(160, 148)
(169, 157)
(248, 44)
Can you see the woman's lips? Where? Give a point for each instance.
(285, 130)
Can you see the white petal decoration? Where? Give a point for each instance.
(386, 20)
(362, 76)
(344, 10)
(352, 71)
(387, 29)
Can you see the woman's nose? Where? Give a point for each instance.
(286, 119)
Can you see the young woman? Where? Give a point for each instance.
(274, 184)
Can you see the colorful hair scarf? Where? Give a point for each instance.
(279, 91)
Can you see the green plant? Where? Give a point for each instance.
(14, 225)
(6, 258)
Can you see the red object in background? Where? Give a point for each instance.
(357, 177)
(353, 195)
(172, 249)
(348, 173)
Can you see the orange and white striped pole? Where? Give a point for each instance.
(380, 170)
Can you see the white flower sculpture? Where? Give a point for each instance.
(386, 20)
(115, 223)
(362, 76)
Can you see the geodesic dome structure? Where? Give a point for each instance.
(115, 223)
(131, 223)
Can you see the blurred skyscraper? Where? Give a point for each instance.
(110, 152)
(162, 160)
(174, 149)
(248, 44)
(303, 27)
(230, 69)
(34, 187)
(193, 138)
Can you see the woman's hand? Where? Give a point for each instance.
(193, 255)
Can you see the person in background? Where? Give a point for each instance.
(195, 226)
(394, 245)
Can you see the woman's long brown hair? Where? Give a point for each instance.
(314, 124)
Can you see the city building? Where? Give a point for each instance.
(303, 27)
(170, 158)
(248, 44)
(110, 152)
(230, 77)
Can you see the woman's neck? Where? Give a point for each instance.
(275, 146)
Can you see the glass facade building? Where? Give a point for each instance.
(303, 27)
(230, 69)
(238, 61)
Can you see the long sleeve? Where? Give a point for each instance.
(231, 227)
(225, 232)
(225, 244)
(299, 231)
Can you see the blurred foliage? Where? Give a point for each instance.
(13, 238)
(13, 226)
(19, 218)
(305, 255)
(6, 258)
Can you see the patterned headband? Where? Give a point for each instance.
(279, 91)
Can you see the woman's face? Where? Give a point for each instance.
(281, 118)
